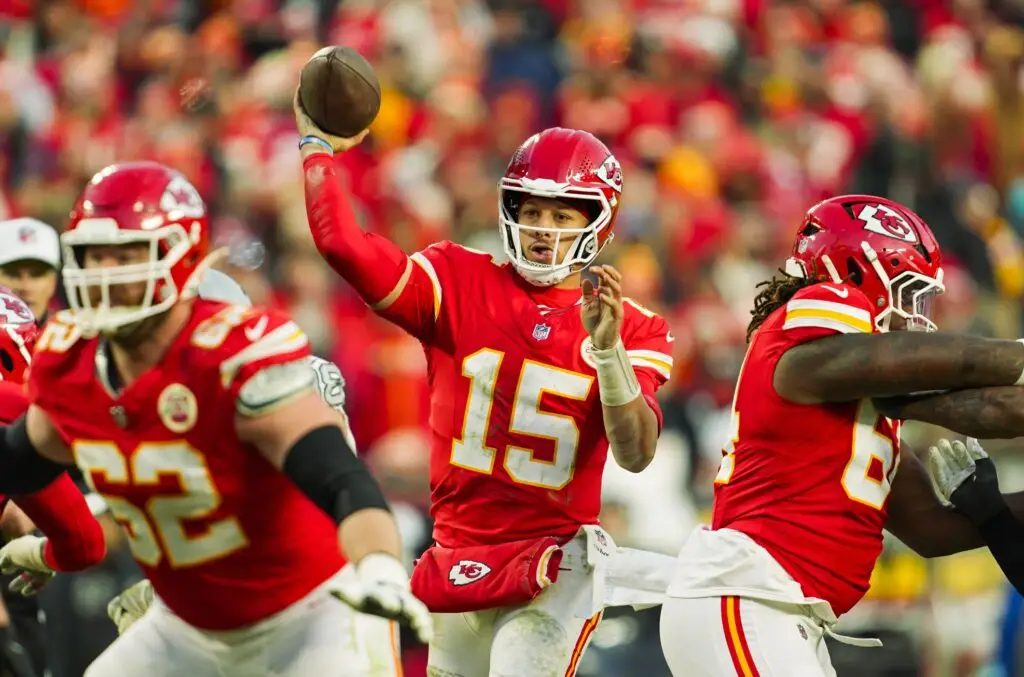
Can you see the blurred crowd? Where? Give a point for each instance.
(730, 118)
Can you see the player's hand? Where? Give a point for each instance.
(130, 605)
(24, 556)
(602, 310)
(383, 590)
(963, 476)
(307, 127)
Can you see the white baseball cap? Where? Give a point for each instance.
(29, 240)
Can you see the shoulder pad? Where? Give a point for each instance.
(273, 386)
(58, 335)
(247, 339)
(840, 307)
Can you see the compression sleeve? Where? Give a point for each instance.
(74, 537)
(1004, 535)
(327, 470)
(373, 265)
(22, 469)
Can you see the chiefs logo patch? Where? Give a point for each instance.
(611, 173)
(467, 571)
(177, 408)
(887, 221)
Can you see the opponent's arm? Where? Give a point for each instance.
(963, 475)
(853, 366)
(996, 412)
(917, 518)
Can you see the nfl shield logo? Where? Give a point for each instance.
(541, 331)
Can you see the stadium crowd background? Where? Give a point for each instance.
(730, 117)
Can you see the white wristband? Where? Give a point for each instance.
(382, 567)
(1020, 379)
(616, 380)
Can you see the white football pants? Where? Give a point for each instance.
(542, 638)
(315, 637)
(722, 636)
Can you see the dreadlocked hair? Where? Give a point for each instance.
(776, 293)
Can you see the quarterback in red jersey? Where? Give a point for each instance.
(200, 424)
(808, 479)
(532, 372)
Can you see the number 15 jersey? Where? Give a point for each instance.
(808, 483)
(519, 445)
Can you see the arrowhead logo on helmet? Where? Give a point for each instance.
(886, 221)
(181, 197)
(877, 245)
(611, 173)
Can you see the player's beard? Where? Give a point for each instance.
(130, 335)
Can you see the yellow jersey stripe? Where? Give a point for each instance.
(424, 263)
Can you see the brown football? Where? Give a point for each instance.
(339, 91)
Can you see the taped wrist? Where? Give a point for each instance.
(616, 380)
(326, 469)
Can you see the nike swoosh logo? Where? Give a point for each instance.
(841, 293)
(669, 338)
(256, 331)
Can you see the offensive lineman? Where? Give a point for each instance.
(234, 525)
(809, 479)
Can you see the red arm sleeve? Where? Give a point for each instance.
(74, 537)
(373, 265)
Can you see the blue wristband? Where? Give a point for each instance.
(318, 141)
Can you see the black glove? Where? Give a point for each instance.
(979, 497)
(963, 475)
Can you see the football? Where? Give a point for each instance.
(339, 91)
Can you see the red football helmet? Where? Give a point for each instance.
(879, 246)
(565, 164)
(18, 334)
(135, 202)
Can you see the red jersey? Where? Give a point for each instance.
(519, 445)
(225, 538)
(809, 483)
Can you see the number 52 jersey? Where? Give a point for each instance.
(226, 539)
(808, 484)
